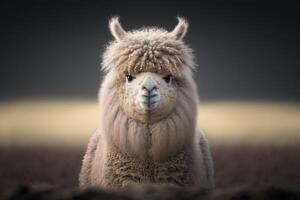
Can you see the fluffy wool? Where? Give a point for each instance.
(149, 49)
(133, 145)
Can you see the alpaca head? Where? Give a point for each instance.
(148, 98)
(150, 66)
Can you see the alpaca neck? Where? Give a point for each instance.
(155, 141)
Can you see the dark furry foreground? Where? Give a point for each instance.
(154, 193)
(55, 172)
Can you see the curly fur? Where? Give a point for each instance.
(159, 147)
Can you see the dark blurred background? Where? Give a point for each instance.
(244, 49)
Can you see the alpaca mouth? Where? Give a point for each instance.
(149, 105)
(149, 101)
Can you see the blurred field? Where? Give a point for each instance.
(70, 123)
(253, 143)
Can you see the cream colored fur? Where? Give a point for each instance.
(135, 145)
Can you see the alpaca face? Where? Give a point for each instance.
(150, 69)
(148, 96)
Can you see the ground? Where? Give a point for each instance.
(238, 166)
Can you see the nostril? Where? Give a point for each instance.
(144, 88)
(154, 88)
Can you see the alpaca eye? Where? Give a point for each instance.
(129, 77)
(168, 78)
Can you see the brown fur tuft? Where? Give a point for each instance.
(148, 49)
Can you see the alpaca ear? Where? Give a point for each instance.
(181, 28)
(116, 29)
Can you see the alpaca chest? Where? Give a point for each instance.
(121, 170)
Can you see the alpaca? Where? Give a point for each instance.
(148, 106)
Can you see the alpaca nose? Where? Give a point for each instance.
(149, 90)
(148, 96)
(149, 84)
